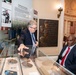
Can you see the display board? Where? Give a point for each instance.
(22, 12)
(15, 12)
(48, 33)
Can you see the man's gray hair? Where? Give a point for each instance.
(32, 22)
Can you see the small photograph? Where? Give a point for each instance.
(6, 16)
(7, 1)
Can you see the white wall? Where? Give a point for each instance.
(47, 9)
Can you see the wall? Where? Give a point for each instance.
(48, 10)
(69, 16)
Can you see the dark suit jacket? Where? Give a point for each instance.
(25, 38)
(70, 62)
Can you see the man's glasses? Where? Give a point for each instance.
(34, 28)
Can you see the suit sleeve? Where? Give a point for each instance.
(60, 55)
(21, 38)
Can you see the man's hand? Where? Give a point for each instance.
(21, 47)
(23, 54)
(36, 43)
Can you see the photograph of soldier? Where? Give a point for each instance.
(6, 15)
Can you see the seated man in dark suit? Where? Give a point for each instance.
(28, 38)
(67, 56)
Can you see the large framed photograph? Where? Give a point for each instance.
(48, 33)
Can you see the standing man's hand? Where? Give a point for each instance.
(36, 43)
(21, 47)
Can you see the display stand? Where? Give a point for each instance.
(12, 64)
(48, 66)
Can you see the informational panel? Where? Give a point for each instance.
(15, 12)
(22, 12)
(48, 33)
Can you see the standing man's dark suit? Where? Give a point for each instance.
(26, 39)
(70, 62)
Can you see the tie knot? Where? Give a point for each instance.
(68, 50)
(68, 47)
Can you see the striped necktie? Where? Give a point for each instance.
(33, 38)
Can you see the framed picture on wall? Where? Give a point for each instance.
(48, 33)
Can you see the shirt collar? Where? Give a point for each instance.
(72, 46)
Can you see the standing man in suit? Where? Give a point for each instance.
(28, 38)
(67, 56)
